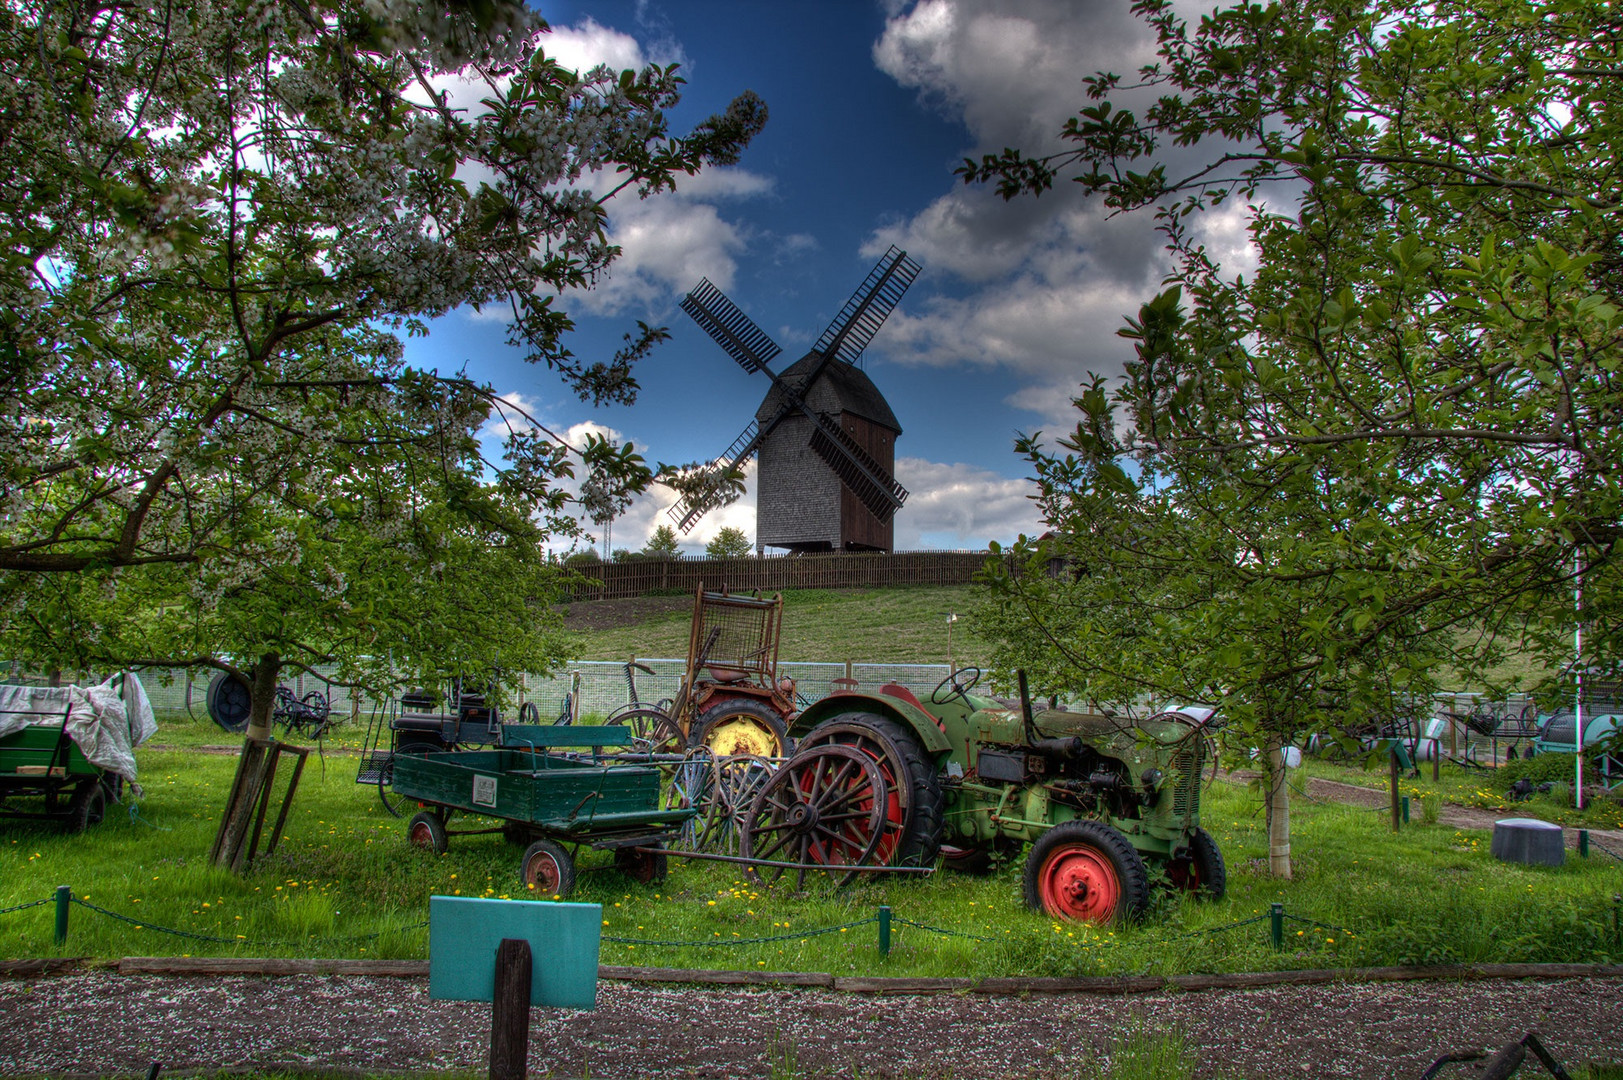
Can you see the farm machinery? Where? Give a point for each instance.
(732, 701)
(1099, 799)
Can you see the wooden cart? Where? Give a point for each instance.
(554, 801)
(41, 764)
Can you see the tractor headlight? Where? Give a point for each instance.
(1152, 780)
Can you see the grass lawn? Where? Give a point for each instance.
(878, 626)
(345, 883)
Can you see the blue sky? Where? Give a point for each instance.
(872, 103)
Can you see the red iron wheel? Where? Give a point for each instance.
(1086, 871)
(547, 870)
(914, 805)
(825, 806)
(427, 831)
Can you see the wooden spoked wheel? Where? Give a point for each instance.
(824, 808)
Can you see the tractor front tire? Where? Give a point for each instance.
(741, 725)
(1086, 871)
(915, 817)
(1198, 868)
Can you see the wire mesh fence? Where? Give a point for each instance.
(597, 687)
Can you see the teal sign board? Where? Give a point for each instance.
(464, 932)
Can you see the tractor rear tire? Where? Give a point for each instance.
(916, 816)
(741, 725)
(1086, 871)
(1199, 868)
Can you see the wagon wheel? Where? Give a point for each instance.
(547, 870)
(824, 806)
(317, 711)
(734, 782)
(692, 786)
(393, 803)
(427, 831)
(646, 867)
(652, 728)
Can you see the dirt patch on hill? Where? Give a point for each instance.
(586, 616)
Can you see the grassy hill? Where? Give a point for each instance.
(887, 626)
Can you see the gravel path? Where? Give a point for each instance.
(104, 1023)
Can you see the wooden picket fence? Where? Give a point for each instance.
(840, 570)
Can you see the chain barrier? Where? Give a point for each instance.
(24, 907)
(728, 942)
(1318, 924)
(1604, 850)
(900, 921)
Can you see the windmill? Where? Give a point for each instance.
(824, 434)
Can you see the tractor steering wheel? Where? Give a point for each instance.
(957, 684)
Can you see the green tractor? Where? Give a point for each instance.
(1099, 799)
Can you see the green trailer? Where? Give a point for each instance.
(551, 800)
(44, 775)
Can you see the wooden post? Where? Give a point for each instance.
(510, 1011)
(1436, 761)
(1392, 756)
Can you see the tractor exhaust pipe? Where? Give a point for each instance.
(1025, 707)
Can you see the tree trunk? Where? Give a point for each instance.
(1279, 809)
(263, 697)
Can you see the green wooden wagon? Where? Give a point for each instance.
(555, 802)
(44, 774)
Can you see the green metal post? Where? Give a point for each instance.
(1276, 918)
(1406, 809)
(1583, 842)
(884, 929)
(64, 900)
(1617, 922)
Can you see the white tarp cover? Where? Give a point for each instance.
(106, 726)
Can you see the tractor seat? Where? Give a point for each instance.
(727, 674)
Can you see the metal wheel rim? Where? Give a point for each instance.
(825, 806)
(542, 873)
(421, 835)
(883, 752)
(1079, 883)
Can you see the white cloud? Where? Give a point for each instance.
(960, 506)
(588, 43)
(1049, 279)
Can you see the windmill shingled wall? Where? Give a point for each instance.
(797, 497)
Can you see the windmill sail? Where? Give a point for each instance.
(868, 480)
(866, 311)
(730, 327)
(690, 508)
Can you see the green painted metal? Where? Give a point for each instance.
(546, 736)
(884, 929)
(464, 933)
(64, 902)
(929, 732)
(40, 744)
(1276, 925)
(559, 794)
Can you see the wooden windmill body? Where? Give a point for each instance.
(824, 435)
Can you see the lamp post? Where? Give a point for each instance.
(951, 667)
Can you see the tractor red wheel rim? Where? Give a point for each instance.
(422, 835)
(1078, 883)
(542, 874)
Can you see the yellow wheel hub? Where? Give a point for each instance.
(736, 735)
